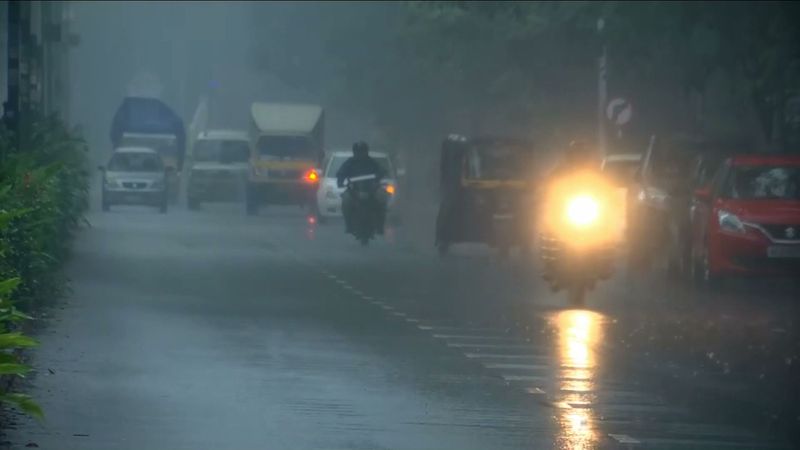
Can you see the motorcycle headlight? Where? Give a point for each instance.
(729, 222)
(583, 211)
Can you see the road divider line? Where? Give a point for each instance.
(398, 314)
(535, 391)
(506, 357)
(495, 346)
(526, 378)
(458, 329)
(624, 439)
(534, 367)
(483, 338)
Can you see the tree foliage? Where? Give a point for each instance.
(533, 64)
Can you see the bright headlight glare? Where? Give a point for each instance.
(582, 210)
(729, 222)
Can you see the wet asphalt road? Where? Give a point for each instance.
(209, 329)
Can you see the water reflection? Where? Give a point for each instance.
(311, 227)
(578, 333)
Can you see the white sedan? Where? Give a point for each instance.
(329, 196)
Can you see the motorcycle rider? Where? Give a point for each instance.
(361, 164)
(578, 157)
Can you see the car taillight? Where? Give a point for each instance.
(311, 176)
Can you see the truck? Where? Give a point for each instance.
(149, 122)
(287, 142)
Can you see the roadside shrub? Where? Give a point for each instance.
(44, 183)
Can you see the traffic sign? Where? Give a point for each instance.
(619, 111)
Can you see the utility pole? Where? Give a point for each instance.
(602, 92)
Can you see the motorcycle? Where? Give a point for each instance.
(365, 194)
(582, 228)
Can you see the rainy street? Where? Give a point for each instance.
(570, 225)
(236, 332)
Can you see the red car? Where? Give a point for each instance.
(747, 221)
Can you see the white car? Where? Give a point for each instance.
(621, 169)
(219, 162)
(135, 175)
(329, 196)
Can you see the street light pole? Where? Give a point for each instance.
(602, 92)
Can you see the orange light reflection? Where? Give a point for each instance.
(578, 333)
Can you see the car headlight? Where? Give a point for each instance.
(582, 211)
(729, 222)
(331, 194)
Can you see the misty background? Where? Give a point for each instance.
(402, 75)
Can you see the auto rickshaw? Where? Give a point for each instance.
(486, 193)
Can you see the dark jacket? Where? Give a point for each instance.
(359, 166)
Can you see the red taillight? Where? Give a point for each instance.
(311, 176)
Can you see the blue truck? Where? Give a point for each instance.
(149, 122)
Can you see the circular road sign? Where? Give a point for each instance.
(619, 111)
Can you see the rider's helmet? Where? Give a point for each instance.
(360, 149)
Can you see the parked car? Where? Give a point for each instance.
(219, 167)
(662, 182)
(679, 221)
(747, 221)
(621, 167)
(329, 196)
(135, 175)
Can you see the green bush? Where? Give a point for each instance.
(43, 196)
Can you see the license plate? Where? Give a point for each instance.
(784, 251)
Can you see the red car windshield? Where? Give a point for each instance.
(763, 182)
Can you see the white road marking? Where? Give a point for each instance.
(524, 378)
(494, 346)
(410, 320)
(398, 314)
(505, 356)
(483, 338)
(366, 297)
(534, 367)
(535, 391)
(624, 439)
(387, 307)
(458, 329)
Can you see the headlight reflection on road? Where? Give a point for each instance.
(578, 333)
